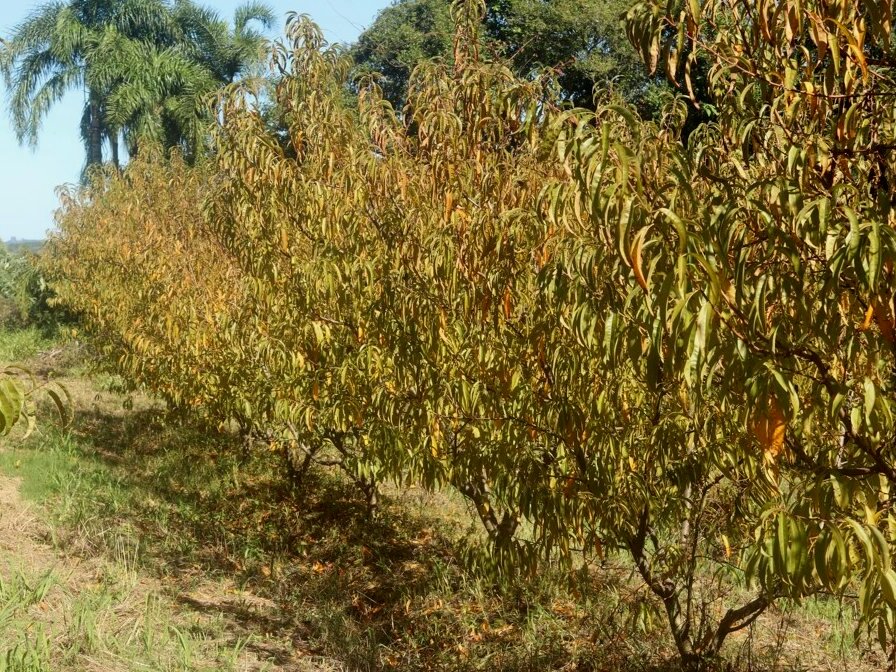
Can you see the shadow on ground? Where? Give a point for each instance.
(311, 581)
(308, 573)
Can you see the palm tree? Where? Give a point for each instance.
(155, 94)
(226, 51)
(52, 52)
(145, 67)
(163, 93)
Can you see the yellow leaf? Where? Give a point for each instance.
(869, 314)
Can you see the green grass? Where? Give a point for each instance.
(24, 645)
(19, 345)
(43, 472)
(255, 568)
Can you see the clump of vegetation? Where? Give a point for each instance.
(22, 290)
(27, 326)
(615, 339)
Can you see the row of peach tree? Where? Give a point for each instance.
(611, 335)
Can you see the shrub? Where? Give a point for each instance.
(607, 336)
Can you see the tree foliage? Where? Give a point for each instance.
(771, 245)
(584, 41)
(402, 36)
(609, 337)
(146, 67)
(166, 290)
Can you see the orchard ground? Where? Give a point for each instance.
(135, 540)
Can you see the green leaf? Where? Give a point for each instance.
(888, 586)
(62, 406)
(862, 535)
(875, 259)
(12, 402)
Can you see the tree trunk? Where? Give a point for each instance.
(94, 131)
(113, 144)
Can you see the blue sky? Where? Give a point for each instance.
(29, 177)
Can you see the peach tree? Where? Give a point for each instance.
(760, 255)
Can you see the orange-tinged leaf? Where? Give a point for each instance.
(869, 314)
(770, 428)
(884, 322)
(636, 258)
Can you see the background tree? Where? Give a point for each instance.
(145, 67)
(160, 93)
(54, 50)
(227, 50)
(404, 35)
(584, 41)
(155, 94)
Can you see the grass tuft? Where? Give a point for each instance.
(19, 345)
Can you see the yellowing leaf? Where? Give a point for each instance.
(866, 323)
(636, 260)
(770, 428)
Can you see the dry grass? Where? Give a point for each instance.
(62, 611)
(172, 547)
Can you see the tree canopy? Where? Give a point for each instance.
(146, 67)
(584, 41)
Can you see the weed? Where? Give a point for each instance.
(18, 345)
(23, 648)
(29, 655)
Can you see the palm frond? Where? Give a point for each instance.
(258, 12)
(50, 93)
(31, 73)
(35, 30)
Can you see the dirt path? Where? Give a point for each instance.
(59, 611)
